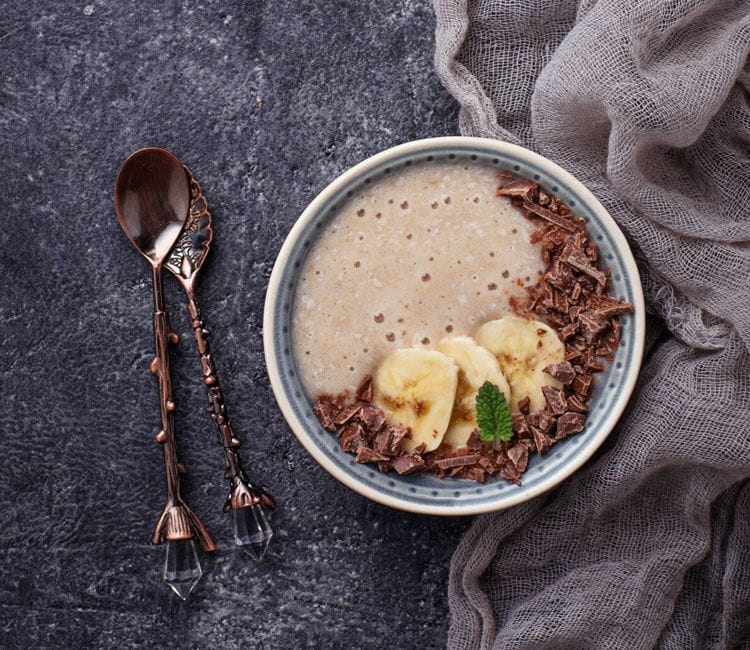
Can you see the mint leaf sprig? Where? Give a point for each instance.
(493, 415)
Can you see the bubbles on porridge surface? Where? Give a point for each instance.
(505, 274)
(432, 226)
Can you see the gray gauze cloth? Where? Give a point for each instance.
(646, 102)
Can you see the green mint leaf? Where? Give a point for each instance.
(493, 415)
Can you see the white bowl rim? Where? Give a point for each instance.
(361, 169)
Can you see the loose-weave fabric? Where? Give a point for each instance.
(647, 103)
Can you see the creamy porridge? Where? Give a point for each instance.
(407, 260)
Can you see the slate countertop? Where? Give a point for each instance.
(266, 102)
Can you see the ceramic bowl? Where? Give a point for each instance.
(429, 494)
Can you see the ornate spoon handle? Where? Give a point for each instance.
(246, 501)
(243, 493)
(177, 521)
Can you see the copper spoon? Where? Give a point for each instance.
(152, 199)
(246, 501)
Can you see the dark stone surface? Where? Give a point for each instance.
(267, 102)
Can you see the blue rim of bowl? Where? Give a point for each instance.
(428, 494)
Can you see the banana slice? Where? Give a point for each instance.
(523, 348)
(475, 366)
(416, 388)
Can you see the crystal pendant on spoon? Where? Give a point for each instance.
(252, 532)
(182, 568)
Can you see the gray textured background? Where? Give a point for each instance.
(266, 102)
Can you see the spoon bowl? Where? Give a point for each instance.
(152, 200)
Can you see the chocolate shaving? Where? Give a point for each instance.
(517, 188)
(568, 424)
(364, 390)
(542, 442)
(518, 456)
(373, 418)
(563, 372)
(458, 461)
(582, 385)
(407, 464)
(474, 441)
(550, 216)
(324, 412)
(555, 399)
(524, 404)
(353, 437)
(367, 455)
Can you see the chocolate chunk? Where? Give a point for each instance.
(397, 433)
(383, 441)
(324, 411)
(520, 425)
(568, 424)
(576, 293)
(578, 260)
(582, 385)
(606, 307)
(518, 455)
(474, 441)
(385, 466)
(407, 464)
(576, 404)
(523, 404)
(364, 390)
(591, 324)
(517, 188)
(347, 413)
(487, 465)
(372, 418)
(563, 372)
(475, 474)
(572, 355)
(545, 422)
(367, 455)
(457, 461)
(549, 215)
(569, 330)
(510, 473)
(353, 437)
(541, 441)
(555, 399)
(420, 448)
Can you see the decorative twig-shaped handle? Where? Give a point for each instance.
(177, 521)
(243, 493)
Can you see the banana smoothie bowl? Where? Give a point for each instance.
(453, 326)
